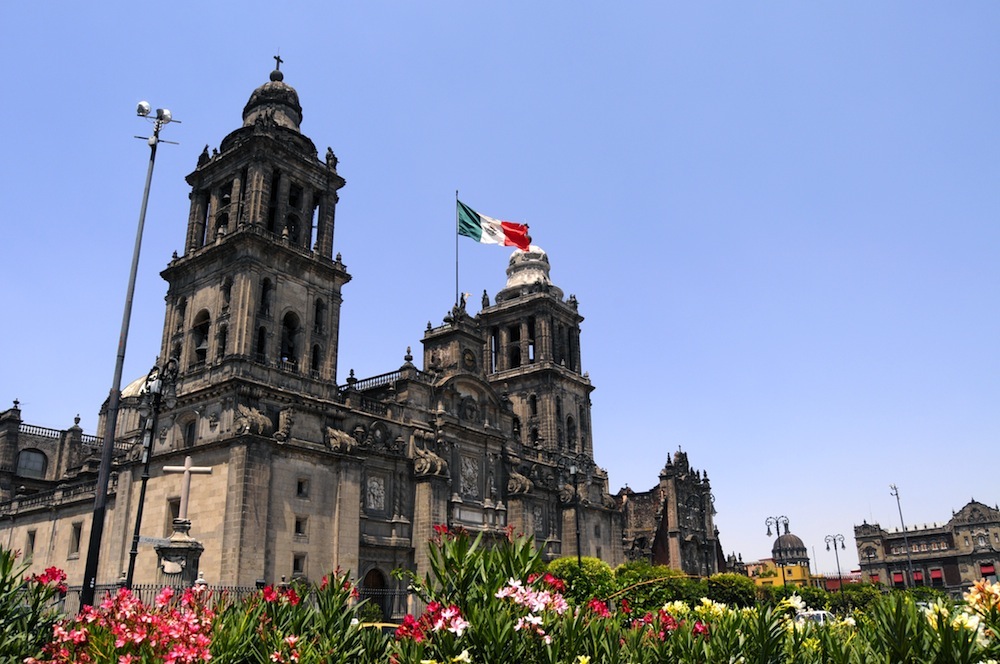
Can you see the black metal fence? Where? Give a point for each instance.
(394, 604)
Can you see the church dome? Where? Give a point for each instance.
(528, 267)
(134, 389)
(277, 100)
(789, 548)
(528, 272)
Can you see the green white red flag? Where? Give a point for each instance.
(487, 230)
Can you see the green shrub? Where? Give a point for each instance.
(732, 589)
(27, 607)
(592, 578)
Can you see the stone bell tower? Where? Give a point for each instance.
(257, 292)
(533, 354)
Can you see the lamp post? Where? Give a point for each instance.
(160, 386)
(906, 541)
(574, 465)
(777, 522)
(835, 539)
(573, 472)
(162, 117)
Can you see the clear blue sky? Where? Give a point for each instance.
(780, 218)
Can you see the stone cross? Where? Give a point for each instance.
(187, 469)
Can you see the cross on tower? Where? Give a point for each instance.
(277, 62)
(187, 469)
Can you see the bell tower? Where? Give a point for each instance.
(533, 354)
(257, 291)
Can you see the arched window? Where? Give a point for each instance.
(289, 338)
(32, 463)
(223, 338)
(199, 336)
(571, 433)
(190, 429)
(266, 294)
(533, 405)
(261, 344)
(319, 316)
(317, 360)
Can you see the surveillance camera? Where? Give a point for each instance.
(143, 109)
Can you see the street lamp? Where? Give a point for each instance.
(574, 466)
(906, 541)
(160, 386)
(777, 522)
(161, 118)
(835, 539)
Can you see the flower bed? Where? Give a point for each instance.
(491, 604)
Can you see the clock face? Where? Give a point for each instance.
(469, 359)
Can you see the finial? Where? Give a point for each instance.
(76, 420)
(16, 404)
(276, 75)
(409, 356)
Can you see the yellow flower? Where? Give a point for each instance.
(465, 657)
(582, 659)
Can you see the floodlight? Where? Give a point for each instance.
(163, 115)
(143, 109)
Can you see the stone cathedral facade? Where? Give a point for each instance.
(309, 473)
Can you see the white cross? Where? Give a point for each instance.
(187, 469)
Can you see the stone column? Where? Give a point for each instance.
(430, 508)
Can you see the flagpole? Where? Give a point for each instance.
(456, 247)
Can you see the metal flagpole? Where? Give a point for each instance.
(456, 247)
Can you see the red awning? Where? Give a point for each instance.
(935, 574)
(897, 577)
(874, 578)
(918, 576)
(986, 570)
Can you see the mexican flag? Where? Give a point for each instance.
(487, 230)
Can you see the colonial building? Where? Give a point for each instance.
(308, 473)
(950, 556)
(672, 523)
(788, 564)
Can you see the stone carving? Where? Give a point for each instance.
(428, 463)
(469, 410)
(340, 441)
(251, 420)
(518, 484)
(538, 516)
(285, 420)
(470, 477)
(566, 494)
(376, 494)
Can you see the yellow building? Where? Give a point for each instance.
(787, 566)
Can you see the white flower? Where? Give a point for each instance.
(465, 657)
(796, 603)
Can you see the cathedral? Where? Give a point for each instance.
(489, 430)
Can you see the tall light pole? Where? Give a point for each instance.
(160, 385)
(162, 117)
(777, 522)
(835, 539)
(906, 541)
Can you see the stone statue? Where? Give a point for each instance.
(251, 420)
(340, 441)
(428, 463)
(518, 483)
